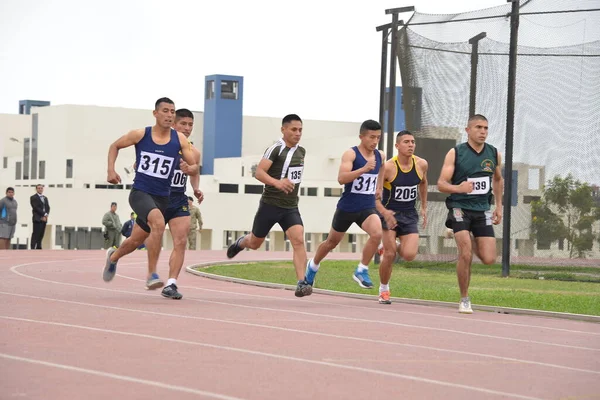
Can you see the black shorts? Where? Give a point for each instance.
(142, 203)
(342, 220)
(269, 215)
(478, 222)
(178, 207)
(407, 222)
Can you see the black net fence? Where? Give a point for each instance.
(556, 172)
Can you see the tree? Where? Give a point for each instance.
(567, 211)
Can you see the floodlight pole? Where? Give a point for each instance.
(392, 86)
(384, 29)
(510, 121)
(474, 41)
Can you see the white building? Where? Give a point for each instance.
(65, 148)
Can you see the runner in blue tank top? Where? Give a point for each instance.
(405, 176)
(360, 170)
(156, 153)
(178, 213)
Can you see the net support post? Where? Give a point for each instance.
(474, 42)
(384, 29)
(510, 122)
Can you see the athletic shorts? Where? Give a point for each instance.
(478, 222)
(178, 207)
(142, 203)
(406, 222)
(269, 215)
(342, 220)
(7, 231)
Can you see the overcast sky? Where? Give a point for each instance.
(320, 60)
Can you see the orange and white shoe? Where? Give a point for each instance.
(384, 298)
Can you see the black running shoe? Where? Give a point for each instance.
(171, 292)
(235, 248)
(303, 289)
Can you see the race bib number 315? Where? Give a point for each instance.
(155, 165)
(481, 185)
(364, 184)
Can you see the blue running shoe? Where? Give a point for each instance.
(363, 279)
(310, 274)
(154, 282)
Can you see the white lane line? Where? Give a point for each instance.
(287, 358)
(305, 332)
(281, 310)
(120, 377)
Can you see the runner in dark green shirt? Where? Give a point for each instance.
(470, 174)
(280, 170)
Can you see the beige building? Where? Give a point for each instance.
(65, 148)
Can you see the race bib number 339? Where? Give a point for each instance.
(365, 184)
(155, 165)
(481, 185)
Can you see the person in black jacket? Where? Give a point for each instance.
(40, 208)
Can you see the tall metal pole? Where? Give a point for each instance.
(392, 92)
(510, 121)
(474, 41)
(392, 95)
(382, 85)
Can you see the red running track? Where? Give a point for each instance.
(66, 334)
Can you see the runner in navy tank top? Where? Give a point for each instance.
(405, 176)
(156, 153)
(178, 213)
(360, 170)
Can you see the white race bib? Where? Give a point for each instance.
(179, 179)
(155, 165)
(405, 193)
(481, 185)
(364, 184)
(295, 174)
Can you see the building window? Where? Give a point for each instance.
(333, 192)
(18, 170)
(26, 148)
(5, 163)
(69, 185)
(253, 189)
(311, 191)
(86, 186)
(210, 90)
(228, 188)
(34, 146)
(42, 170)
(229, 90)
(69, 168)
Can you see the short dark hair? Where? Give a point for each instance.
(38, 185)
(403, 133)
(163, 100)
(190, 198)
(289, 118)
(113, 204)
(476, 117)
(183, 113)
(132, 214)
(9, 189)
(369, 125)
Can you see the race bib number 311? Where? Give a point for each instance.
(155, 165)
(481, 185)
(365, 184)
